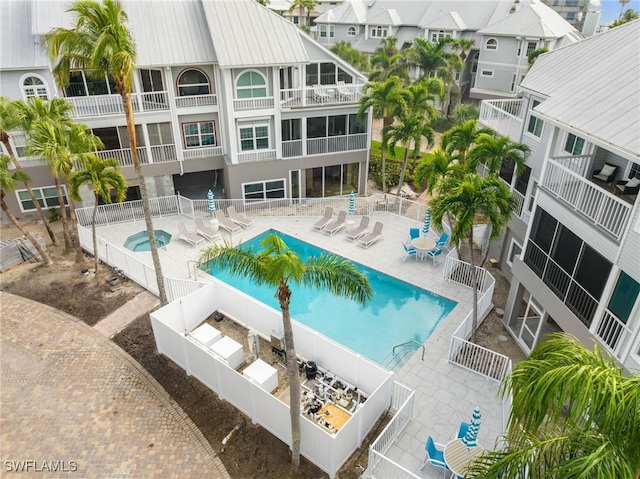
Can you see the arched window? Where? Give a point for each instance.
(251, 84)
(351, 31)
(492, 44)
(33, 85)
(193, 82)
(379, 32)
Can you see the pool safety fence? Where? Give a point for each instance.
(173, 323)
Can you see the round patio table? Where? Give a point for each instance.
(458, 456)
(423, 245)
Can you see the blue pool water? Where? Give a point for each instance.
(398, 311)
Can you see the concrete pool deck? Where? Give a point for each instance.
(445, 394)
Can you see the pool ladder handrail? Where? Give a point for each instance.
(413, 341)
(195, 268)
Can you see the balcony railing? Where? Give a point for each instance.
(124, 155)
(163, 153)
(612, 332)
(253, 103)
(202, 152)
(260, 155)
(196, 100)
(600, 207)
(333, 144)
(519, 196)
(321, 95)
(579, 164)
(504, 116)
(105, 105)
(291, 148)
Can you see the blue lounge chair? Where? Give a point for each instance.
(433, 455)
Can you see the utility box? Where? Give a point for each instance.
(206, 334)
(228, 351)
(263, 374)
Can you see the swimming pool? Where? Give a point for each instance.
(398, 311)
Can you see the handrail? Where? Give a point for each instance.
(393, 351)
(195, 269)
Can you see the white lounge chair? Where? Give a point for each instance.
(325, 220)
(186, 235)
(321, 95)
(355, 233)
(225, 224)
(344, 92)
(335, 226)
(370, 238)
(204, 230)
(238, 218)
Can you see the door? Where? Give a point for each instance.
(530, 328)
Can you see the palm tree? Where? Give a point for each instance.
(464, 112)
(104, 176)
(385, 100)
(430, 57)
(101, 42)
(464, 199)
(387, 61)
(420, 99)
(351, 55)
(8, 182)
(490, 151)
(434, 166)
(303, 5)
(622, 4)
(279, 267)
(460, 138)
(574, 413)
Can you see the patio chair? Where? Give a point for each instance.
(186, 235)
(433, 254)
(434, 456)
(224, 223)
(238, 218)
(325, 220)
(344, 93)
(356, 233)
(442, 241)
(370, 238)
(336, 225)
(204, 230)
(414, 233)
(462, 431)
(606, 174)
(628, 187)
(320, 95)
(408, 251)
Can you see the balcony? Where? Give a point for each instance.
(601, 208)
(196, 100)
(202, 152)
(253, 156)
(107, 105)
(321, 95)
(253, 103)
(325, 145)
(158, 154)
(504, 116)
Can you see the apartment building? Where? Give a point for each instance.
(227, 95)
(504, 33)
(573, 11)
(573, 249)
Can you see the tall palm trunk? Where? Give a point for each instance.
(43, 254)
(75, 234)
(404, 168)
(386, 121)
(63, 215)
(284, 297)
(474, 285)
(7, 144)
(94, 236)
(131, 130)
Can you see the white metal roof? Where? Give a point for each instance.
(593, 86)
(247, 34)
(536, 20)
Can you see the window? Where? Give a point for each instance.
(571, 16)
(486, 73)
(332, 180)
(531, 47)
(254, 137)
(251, 84)
(197, 135)
(47, 196)
(534, 190)
(535, 125)
(624, 297)
(474, 63)
(291, 129)
(151, 80)
(193, 82)
(327, 31)
(88, 84)
(574, 144)
(513, 82)
(514, 250)
(634, 171)
(34, 86)
(491, 44)
(379, 32)
(160, 134)
(435, 36)
(352, 31)
(116, 138)
(263, 190)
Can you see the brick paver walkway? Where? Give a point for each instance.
(71, 399)
(111, 325)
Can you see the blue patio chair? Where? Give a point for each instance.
(442, 241)
(433, 455)
(464, 427)
(414, 233)
(408, 251)
(433, 254)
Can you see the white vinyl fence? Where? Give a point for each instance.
(173, 323)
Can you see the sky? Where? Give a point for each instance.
(611, 9)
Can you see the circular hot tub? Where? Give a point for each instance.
(140, 241)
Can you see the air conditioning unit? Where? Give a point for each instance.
(277, 342)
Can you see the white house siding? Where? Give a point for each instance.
(10, 86)
(629, 259)
(500, 61)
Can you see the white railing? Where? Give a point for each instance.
(602, 208)
(579, 164)
(128, 211)
(321, 95)
(504, 116)
(519, 196)
(104, 105)
(291, 148)
(202, 152)
(196, 100)
(253, 103)
(163, 153)
(179, 288)
(259, 155)
(124, 155)
(333, 144)
(291, 97)
(483, 361)
(460, 272)
(612, 332)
